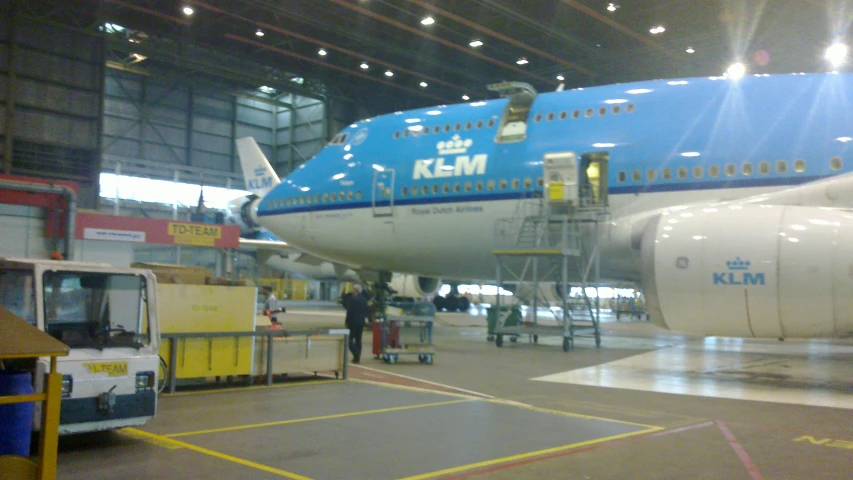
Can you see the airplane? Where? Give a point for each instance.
(728, 198)
(272, 251)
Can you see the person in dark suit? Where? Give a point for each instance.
(356, 316)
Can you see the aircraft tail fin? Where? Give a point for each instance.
(259, 174)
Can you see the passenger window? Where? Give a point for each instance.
(764, 168)
(781, 166)
(308, 199)
(667, 174)
(435, 189)
(288, 202)
(637, 176)
(835, 163)
(424, 189)
(731, 169)
(446, 188)
(503, 184)
(576, 114)
(490, 186)
(406, 133)
(698, 172)
(479, 186)
(436, 129)
(682, 173)
(746, 169)
(515, 183)
(396, 135)
(456, 188)
(457, 127)
(325, 197)
(415, 191)
(714, 171)
(425, 131)
(651, 175)
(537, 118)
(550, 117)
(447, 128)
(467, 186)
(491, 122)
(302, 201)
(563, 115)
(616, 109)
(405, 191)
(479, 124)
(358, 195)
(588, 113)
(468, 126)
(316, 198)
(341, 196)
(602, 111)
(799, 165)
(528, 183)
(622, 177)
(629, 108)
(349, 195)
(334, 197)
(540, 182)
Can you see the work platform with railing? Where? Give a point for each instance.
(551, 245)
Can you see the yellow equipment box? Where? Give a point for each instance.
(208, 308)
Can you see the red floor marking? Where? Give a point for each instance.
(576, 451)
(741, 453)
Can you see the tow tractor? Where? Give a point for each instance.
(108, 317)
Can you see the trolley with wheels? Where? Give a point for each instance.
(406, 330)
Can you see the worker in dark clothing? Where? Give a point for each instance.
(356, 316)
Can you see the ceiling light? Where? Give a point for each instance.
(476, 43)
(188, 11)
(736, 71)
(612, 7)
(560, 78)
(428, 21)
(465, 97)
(364, 65)
(389, 73)
(424, 84)
(322, 52)
(690, 50)
(259, 33)
(657, 30)
(521, 61)
(836, 54)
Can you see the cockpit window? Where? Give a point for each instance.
(339, 139)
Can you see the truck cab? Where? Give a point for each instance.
(108, 317)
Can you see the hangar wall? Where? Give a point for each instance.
(50, 101)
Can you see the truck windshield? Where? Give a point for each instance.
(17, 294)
(95, 310)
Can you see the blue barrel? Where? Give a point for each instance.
(16, 419)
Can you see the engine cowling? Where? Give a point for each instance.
(414, 286)
(242, 212)
(764, 271)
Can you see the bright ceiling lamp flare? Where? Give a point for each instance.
(836, 54)
(521, 61)
(413, 120)
(736, 71)
(338, 176)
(657, 30)
(322, 52)
(305, 189)
(615, 101)
(690, 50)
(378, 168)
(476, 43)
(638, 91)
(416, 128)
(844, 139)
(560, 78)
(690, 154)
(434, 112)
(364, 66)
(611, 7)
(447, 167)
(677, 82)
(389, 73)
(603, 145)
(259, 33)
(188, 11)
(466, 97)
(424, 84)
(428, 21)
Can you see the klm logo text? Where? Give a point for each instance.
(463, 166)
(257, 183)
(738, 274)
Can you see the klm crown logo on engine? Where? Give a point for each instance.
(738, 274)
(463, 165)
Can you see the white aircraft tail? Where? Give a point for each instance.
(259, 174)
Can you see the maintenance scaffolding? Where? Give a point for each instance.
(553, 239)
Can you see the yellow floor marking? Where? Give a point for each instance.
(522, 456)
(415, 389)
(243, 389)
(153, 440)
(570, 414)
(311, 419)
(230, 458)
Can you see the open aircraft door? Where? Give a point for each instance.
(383, 193)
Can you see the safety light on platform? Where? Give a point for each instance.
(188, 11)
(736, 71)
(476, 43)
(364, 66)
(836, 54)
(259, 33)
(521, 61)
(428, 21)
(560, 78)
(657, 30)
(690, 50)
(322, 52)
(466, 97)
(424, 84)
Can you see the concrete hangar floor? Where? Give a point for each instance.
(647, 404)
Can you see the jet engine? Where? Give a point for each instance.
(413, 286)
(242, 211)
(748, 270)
